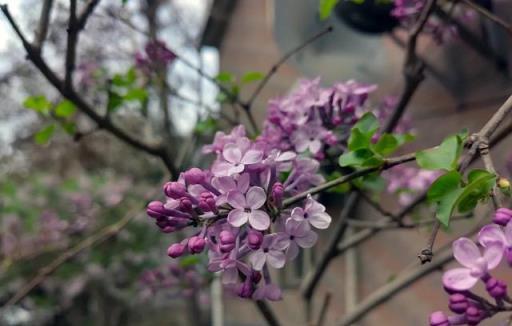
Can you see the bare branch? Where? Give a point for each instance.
(71, 45)
(267, 313)
(44, 20)
(281, 61)
(489, 15)
(102, 122)
(86, 13)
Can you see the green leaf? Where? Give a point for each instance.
(136, 94)
(225, 77)
(252, 77)
(443, 185)
(442, 157)
(114, 101)
(207, 126)
(372, 182)
(480, 184)
(188, 261)
(341, 188)
(447, 205)
(368, 124)
(360, 158)
(358, 140)
(69, 127)
(326, 7)
(65, 109)
(43, 136)
(38, 103)
(125, 80)
(388, 143)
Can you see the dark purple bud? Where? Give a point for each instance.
(496, 289)
(502, 216)
(195, 176)
(203, 205)
(255, 277)
(254, 239)
(508, 255)
(226, 237)
(196, 244)
(176, 250)
(185, 204)
(473, 315)
(175, 190)
(227, 241)
(438, 318)
(277, 193)
(458, 303)
(246, 289)
(320, 156)
(168, 229)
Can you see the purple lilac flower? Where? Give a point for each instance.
(296, 234)
(476, 265)
(156, 55)
(492, 234)
(247, 208)
(313, 213)
(270, 252)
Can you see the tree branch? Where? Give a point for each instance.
(280, 62)
(267, 313)
(489, 15)
(103, 123)
(44, 20)
(71, 45)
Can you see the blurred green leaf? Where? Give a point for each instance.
(136, 94)
(360, 158)
(326, 7)
(69, 127)
(188, 261)
(442, 157)
(43, 136)
(225, 77)
(114, 101)
(252, 77)
(38, 103)
(65, 109)
(207, 126)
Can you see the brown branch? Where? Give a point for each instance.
(267, 313)
(281, 61)
(72, 40)
(103, 123)
(487, 130)
(86, 13)
(323, 311)
(489, 15)
(44, 20)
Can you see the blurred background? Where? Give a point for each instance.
(63, 181)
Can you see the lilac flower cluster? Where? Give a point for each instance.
(238, 207)
(407, 181)
(156, 56)
(470, 309)
(312, 118)
(408, 11)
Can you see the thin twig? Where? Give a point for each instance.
(489, 15)
(281, 61)
(44, 20)
(102, 122)
(267, 313)
(323, 311)
(71, 45)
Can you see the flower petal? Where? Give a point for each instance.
(297, 228)
(243, 182)
(237, 199)
(252, 156)
(459, 279)
(230, 276)
(256, 197)
(466, 252)
(508, 233)
(235, 169)
(286, 156)
(320, 220)
(276, 258)
(259, 220)
(312, 206)
(297, 214)
(258, 259)
(224, 184)
(238, 217)
(232, 153)
(490, 234)
(308, 240)
(292, 251)
(273, 292)
(493, 254)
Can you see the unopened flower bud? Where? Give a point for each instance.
(473, 315)
(502, 216)
(438, 318)
(254, 239)
(185, 204)
(277, 193)
(458, 303)
(246, 289)
(496, 289)
(196, 244)
(503, 183)
(255, 277)
(175, 190)
(156, 209)
(195, 176)
(176, 250)
(227, 241)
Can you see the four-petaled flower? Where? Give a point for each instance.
(246, 208)
(475, 264)
(296, 234)
(236, 157)
(313, 212)
(492, 234)
(270, 252)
